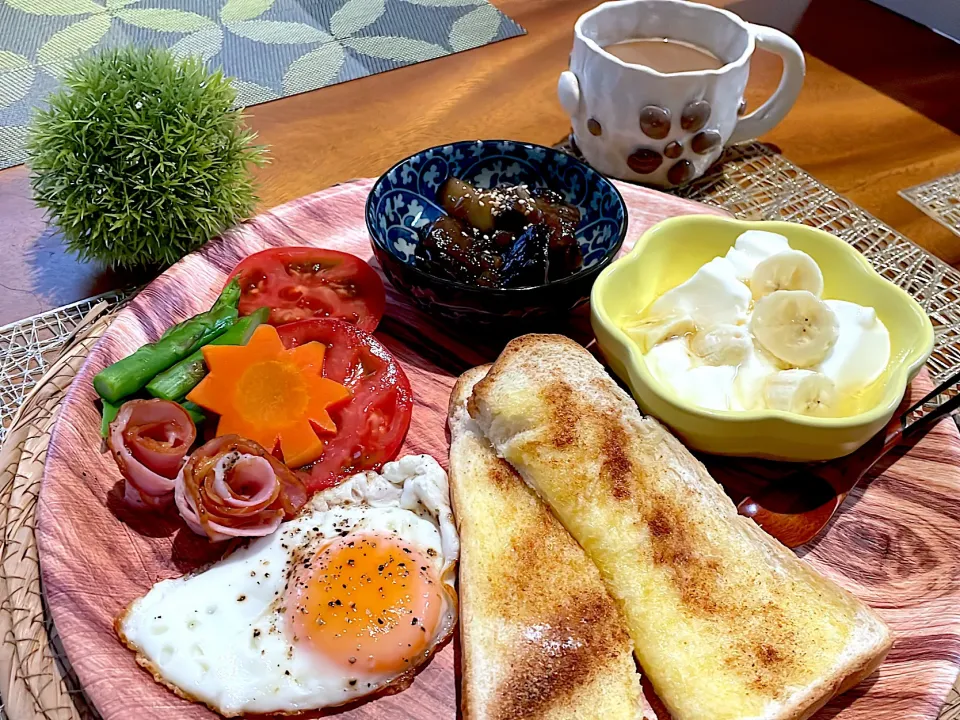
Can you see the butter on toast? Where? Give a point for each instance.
(727, 623)
(541, 637)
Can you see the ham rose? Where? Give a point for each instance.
(232, 487)
(149, 440)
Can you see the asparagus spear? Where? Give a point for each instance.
(110, 411)
(175, 383)
(127, 376)
(195, 411)
(108, 415)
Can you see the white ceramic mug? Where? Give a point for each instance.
(635, 123)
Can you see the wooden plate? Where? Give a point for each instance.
(895, 545)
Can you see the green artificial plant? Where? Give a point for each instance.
(139, 158)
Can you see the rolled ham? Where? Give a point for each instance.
(232, 487)
(149, 440)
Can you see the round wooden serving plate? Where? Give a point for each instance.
(895, 544)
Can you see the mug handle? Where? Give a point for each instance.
(777, 105)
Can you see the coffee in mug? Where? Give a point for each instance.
(655, 87)
(665, 55)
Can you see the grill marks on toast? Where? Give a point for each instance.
(549, 639)
(764, 654)
(616, 470)
(754, 631)
(568, 415)
(769, 665)
(530, 569)
(571, 637)
(560, 655)
(695, 578)
(503, 475)
(762, 638)
(560, 398)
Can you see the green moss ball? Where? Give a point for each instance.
(139, 158)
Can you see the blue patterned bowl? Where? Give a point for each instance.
(403, 203)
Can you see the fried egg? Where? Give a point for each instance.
(346, 599)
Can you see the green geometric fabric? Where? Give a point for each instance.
(272, 48)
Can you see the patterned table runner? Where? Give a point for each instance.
(272, 48)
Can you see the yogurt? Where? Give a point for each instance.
(714, 295)
(700, 341)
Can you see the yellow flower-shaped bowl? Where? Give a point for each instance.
(670, 253)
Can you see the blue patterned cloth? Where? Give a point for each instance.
(272, 48)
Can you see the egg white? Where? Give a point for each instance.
(221, 636)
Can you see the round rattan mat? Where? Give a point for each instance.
(36, 682)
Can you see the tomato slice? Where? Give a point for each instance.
(372, 425)
(298, 283)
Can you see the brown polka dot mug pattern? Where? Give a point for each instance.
(633, 122)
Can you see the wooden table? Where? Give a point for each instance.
(878, 113)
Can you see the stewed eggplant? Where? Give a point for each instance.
(506, 237)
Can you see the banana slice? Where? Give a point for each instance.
(795, 326)
(787, 270)
(800, 391)
(722, 345)
(651, 331)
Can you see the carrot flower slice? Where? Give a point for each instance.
(271, 395)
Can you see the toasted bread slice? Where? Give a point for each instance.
(542, 639)
(727, 623)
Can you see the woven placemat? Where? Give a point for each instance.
(753, 181)
(27, 347)
(939, 199)
(35, 677)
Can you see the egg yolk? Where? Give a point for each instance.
(367, 602)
